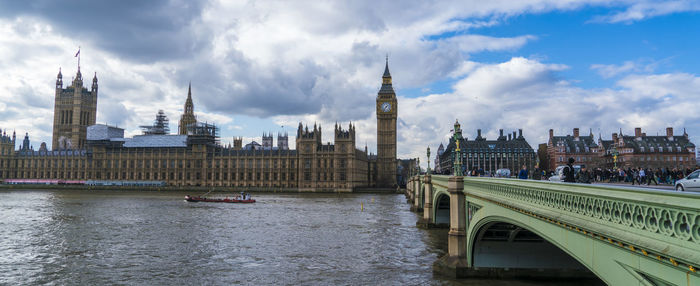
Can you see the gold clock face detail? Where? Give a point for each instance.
(386, 106)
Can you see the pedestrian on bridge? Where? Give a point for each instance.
(523, 173)
(569, 172)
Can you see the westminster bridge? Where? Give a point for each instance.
(524, 228)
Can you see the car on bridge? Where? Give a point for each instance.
(690, 183)
(559, 172)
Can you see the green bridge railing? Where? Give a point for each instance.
(663, 225)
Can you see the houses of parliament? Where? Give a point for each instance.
(83, 151)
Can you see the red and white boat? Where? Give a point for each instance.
(210, 200)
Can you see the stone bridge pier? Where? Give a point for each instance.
(417, 205)
(427, 220)
(455, 263)
(409, 191)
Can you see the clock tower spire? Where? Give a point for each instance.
(387, 111)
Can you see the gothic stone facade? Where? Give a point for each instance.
(387, 112)
(75, 108)
(194, 160)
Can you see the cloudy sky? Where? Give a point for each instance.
(265, 66)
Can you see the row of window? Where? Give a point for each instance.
(325, 176)
(155, 163)
(324, 163)
(638, 158)
(250, 176)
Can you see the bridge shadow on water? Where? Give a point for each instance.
(503, 245)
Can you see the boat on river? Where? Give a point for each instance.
(211, 200)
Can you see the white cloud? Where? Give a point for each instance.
(641, 10)
(526, 94)
(608, 71)
(284, 62)
(636, 66)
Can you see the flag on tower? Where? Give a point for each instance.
(78, 53)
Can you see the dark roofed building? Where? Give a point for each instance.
(582, 148)
(506, 152)
(640, 150)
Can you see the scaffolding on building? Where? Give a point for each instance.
(161, 125)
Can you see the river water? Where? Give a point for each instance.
(68, 237)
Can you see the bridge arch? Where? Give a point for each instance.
(501, 242)
(441, 207)
(571, 220)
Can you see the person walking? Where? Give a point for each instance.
(537, 174)
(523, 173)
(584, 176)
(651, 177)
(569, 172)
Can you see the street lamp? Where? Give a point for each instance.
(614, 154)
(418, 166)
(427, 172)
(457, 164)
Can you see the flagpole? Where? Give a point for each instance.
(78, 55)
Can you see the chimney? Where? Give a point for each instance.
(576, 133)
(614, 137)
(508, 137)
(638, 132)
(501, 132)
(520, 133)
(551, 133)
(478, 132)
(669, 131)
(513, 134)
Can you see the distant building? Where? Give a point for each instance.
(253, 146)
(640, 150)
(26, 146)
(627, 151)
(582, 148)
(161, 125)
(406, 167)
(85, 151)
(436, 166)
(387, 114)
(506, 152)
(75, 108)
(188, 118)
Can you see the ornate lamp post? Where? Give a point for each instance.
(457, 164)
(428, 170)
(418, 166)
(614, 154)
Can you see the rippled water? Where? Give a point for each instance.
(114, 237)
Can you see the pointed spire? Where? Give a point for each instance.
(189, 106)
(60, 75)
(386, 67)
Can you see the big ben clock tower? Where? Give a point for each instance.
(387, 111)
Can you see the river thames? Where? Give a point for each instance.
(68, 237)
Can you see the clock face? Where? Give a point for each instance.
(386, 107)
